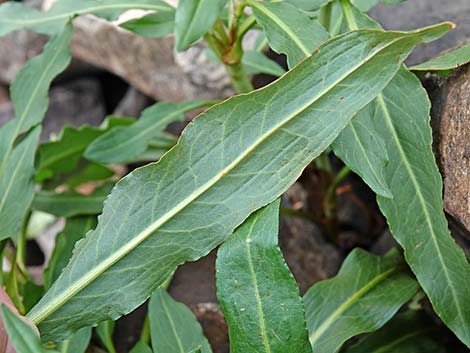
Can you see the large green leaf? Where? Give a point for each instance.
(14, 15)
(289, 30)
(126, 143)
(257, 292)
(365, 294)
(233, 159)
(153, 25)
(193, 19)
(30, 101)
(75, 229)
(63, 154)
(20, 334)
(71, 203)
(173, 327)
(446, 61)
(410, 332)
(415, 214)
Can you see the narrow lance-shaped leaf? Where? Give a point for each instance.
(368, 165)
(289, 30)
(125, 143)
(30, 101)
(105, 332)
(22, 336)
(410, 332)
(14, 16)
(141, 347)
(173, 327)
(258, 63)
(446, 61)
(153, 25)
(235, 158)
(71, 203)
(193, 19)
(415, 214)
(78, 343)
(257, 292)
(365, 294)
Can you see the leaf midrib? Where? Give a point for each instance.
(331, 319)
(191, 22)
(69, 14)
(91, 275)
(282, 25)
(409, 170)
(173, 328)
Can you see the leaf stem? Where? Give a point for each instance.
(347, 10)
(330, 198)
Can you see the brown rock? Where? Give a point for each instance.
(451, 120)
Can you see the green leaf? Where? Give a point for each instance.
(15, 16)
(141, 347)
(30, 101)
(257, 292)
(71, 203)
(21, 335)
(105, 332)
(153, 25)
(90, 172)
(75, 229)
(126, 143)
(17, 185)
(366, 5)
(308, 5)
(235, 158)
(365, 294)
(193, 19)
(78, 343)
(446, 61)
(415, 214)
(359, 147)
(406, 333)
(32, 292)
(289, 30)
(258, 63)
(63, 154)
(173, 327)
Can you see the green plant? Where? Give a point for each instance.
(219, 183)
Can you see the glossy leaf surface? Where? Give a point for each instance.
(127, 143)
(14, 15)
(406, 333)
(173, 327)
(289, 30)
(237, 157)
(257, 292)
(365, 294)
(193, 19)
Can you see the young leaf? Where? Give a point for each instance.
(446, 61)
(235, 158)
(173, 327)
(365, 294)
(71, 203)
(193, 19)
(14, 15)
(78, 343)
(257, 292)
(30, 101)
(258, 63)
(63, 155)
(415, 214)
(105, 332)
(406, 333)
(21, 335)
(289, 30)
(75, 229)
(153, 25)
(126, 143)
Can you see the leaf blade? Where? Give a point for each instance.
(257, 292)
(220, 168)
(446, 61)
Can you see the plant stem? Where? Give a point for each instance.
(347, 10)
(240, 80)
(330, 199)
(21, 246)
(145, 334)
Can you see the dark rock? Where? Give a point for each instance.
(417, 13)
(214, 326)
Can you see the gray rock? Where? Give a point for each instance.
(418, 13)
